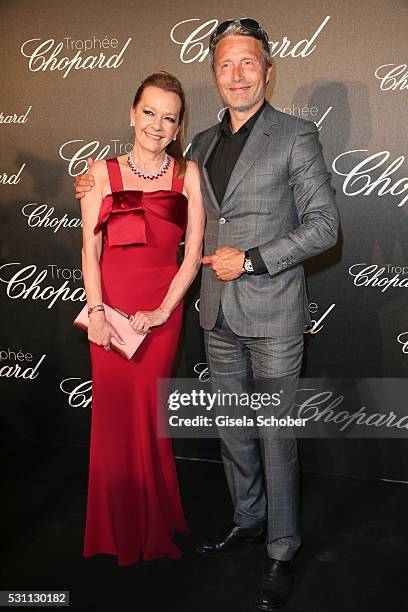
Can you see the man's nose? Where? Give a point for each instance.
(236, 73)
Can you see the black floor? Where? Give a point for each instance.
(354, 556)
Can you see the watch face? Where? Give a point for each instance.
(248, 265)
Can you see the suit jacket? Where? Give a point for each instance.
(279, 199)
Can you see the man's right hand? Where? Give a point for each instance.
(84, 182)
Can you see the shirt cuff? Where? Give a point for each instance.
(257, 261)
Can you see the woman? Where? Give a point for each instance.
(133, 221)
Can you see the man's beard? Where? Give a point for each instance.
(245, 107)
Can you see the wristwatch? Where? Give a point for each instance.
(248, 267)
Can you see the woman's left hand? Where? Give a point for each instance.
(143, 320)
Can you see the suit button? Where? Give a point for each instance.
(123, 205)
(222, 220)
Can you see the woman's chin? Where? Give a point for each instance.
(153, 146)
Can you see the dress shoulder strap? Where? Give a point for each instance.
(115, 175)
(177, 184)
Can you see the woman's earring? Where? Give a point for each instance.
(132, 124)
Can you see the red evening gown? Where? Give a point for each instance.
(134, 506)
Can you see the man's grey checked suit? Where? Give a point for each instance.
(279, 199)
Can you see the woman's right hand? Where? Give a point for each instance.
(100, 331)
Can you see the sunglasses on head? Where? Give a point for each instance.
(249, 24)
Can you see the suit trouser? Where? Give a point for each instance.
(262, 461)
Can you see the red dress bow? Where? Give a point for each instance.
(123, 214)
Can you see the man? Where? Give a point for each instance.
(269, 207)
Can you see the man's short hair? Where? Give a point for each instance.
(235, 28)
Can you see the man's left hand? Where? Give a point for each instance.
(227, 263)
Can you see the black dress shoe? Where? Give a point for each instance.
(236, 536)
(276, 584)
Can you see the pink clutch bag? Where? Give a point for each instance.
(120, 321)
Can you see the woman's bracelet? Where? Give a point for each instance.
(97, 308)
